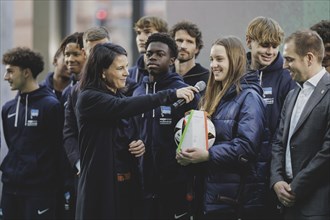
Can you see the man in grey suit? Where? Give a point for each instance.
(300, 166)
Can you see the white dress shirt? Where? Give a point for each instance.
(305, 93)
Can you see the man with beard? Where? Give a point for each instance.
(164, 180)
(301, 152)
(188, 38)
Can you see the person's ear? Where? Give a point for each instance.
(310, 58)
(83, 51)
(248, 42)
(172, 60)
(55, 62)
(27, 73)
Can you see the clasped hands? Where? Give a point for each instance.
(284, 193)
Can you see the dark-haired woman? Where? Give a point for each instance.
(109, 146)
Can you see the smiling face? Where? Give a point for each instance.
(296, 64)
(60, 67)
(158, 58)
(115, 76)
(74, 58)
(219, 62)
(262, 55)
(186, 45)
(15, 77)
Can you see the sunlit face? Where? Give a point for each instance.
(326, 59)
(219, 62)
(186, 46)
(158, 58)
(297, 65)
(115, 76)
(262, 55)
(74, 58)
(61, 68)
(142, 35)
(15, 77)
(88, 45)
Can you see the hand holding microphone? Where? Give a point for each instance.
(187, 94)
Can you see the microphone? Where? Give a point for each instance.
(199, 85)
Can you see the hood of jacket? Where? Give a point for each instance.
(49, 82)
(250, 80)
(167, 80)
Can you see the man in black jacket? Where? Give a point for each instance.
(263, 38)
(188, 38)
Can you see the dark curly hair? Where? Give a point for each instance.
(323, 29)
(192, 30)
(166, 39)
(24, 58)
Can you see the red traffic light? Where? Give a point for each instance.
(101, 14)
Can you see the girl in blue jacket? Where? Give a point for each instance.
(233, 100)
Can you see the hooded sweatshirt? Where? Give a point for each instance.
(157, 132)
(276, 83)
(32, 126)
(49, 82)
(196, 74)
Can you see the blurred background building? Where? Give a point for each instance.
(42, 24)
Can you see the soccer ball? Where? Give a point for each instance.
(179, 128)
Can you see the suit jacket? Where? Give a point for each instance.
(310, 151)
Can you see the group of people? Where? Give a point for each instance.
(95, 139)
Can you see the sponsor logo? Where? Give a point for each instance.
(179, 216)
(40, 212)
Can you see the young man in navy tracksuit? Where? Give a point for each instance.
(32, 126)
(144, 27)
(60, 78)
(263, 37)
(164, 181)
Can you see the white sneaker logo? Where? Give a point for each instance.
(40, 212)
(179, 216)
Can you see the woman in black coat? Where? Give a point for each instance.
(109, 147)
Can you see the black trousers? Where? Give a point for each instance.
(28, 207)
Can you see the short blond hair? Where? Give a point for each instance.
(265, 31)
(152, 21)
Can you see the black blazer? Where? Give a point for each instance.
(310, 151)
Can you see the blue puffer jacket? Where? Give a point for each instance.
(231, 179)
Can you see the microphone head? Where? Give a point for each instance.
(201, 85)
